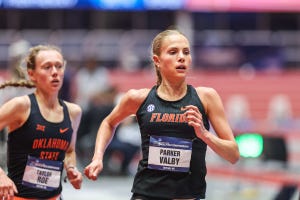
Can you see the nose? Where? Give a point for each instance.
(54, 71)
(181, 57)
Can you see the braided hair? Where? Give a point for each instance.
(30, 64)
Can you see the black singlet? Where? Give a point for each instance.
(40, 139)
(158, 117)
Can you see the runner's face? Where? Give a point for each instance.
(175, 58)
(49, 70)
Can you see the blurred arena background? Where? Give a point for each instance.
(247, 50)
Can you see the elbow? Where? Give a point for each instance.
(236, 155)
(235, 158)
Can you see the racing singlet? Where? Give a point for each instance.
(173, 162)
(36, 152)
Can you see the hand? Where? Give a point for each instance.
(194, 118)
(93, 169)
(7, 188)
(74, 176)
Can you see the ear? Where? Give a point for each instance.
(155, 60)
(30, 73)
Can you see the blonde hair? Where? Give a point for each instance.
(156, 47)
(30, 64)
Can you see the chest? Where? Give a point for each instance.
(164, 118)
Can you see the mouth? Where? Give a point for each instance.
(181, 67)
(55, 81)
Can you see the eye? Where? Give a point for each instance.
(47, 66)
(59, 66)
(172, 52)
(186, 52)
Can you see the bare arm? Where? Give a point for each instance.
(12, 115)
(223, 143)
(74, 176)
(128, 105)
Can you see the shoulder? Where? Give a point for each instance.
(74, 109)
(137, 95)
(15, 112)
(208, 95)
(132, 99)
(20, 103)
(207, 92)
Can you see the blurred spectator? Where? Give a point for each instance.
(98, 109)
(128, 60)
(220, 58)
(266, 59)
(280, 115)
(16, 53)
(90, 80)
(66, 92)
(238, 112)
(16, 70)
(93, 92)
(124, 147)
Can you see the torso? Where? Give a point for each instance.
(41, 139)
(160, 119)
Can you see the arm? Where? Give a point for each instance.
(12, 115)
(128, 105)
(7, 186)
(74, 176)
(223, 143)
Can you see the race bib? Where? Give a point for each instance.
(169, 154)
(42, 174)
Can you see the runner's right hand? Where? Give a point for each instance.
(7, 187)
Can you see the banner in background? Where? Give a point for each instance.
(189, 5)
(243, 5)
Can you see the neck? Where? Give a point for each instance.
(172, 92)
(46, 99)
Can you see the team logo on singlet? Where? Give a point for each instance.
(150, 108)
(63, 130)
(40, 127)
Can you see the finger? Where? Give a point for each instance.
(15, 189)
(11, 196)
(94, 173)
(187, 107)
(77, 185)
(5, 192)
(11, 191)
(77, 182)
(72, 173)
(87, 171)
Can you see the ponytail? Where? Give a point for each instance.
(20, 83)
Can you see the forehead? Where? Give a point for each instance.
(175, 40)
(48, 56)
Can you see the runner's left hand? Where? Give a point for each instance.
(75, 177)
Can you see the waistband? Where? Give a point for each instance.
(58, 197)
